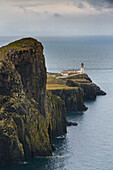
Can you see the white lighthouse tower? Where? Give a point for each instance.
(82, 68)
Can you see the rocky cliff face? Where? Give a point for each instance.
(30, 64)
(90, 90)
(73, 98)
(57, 115)
(27, 124)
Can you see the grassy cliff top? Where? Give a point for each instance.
(22, 44)
(61, 83)
(59, 86)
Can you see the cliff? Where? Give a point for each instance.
(90, 89)
(57, 115)
(73, 98)
(30, 115)
(73, 90)
(26, 121)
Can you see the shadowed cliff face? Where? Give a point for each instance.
(23, 123)
(90, 90)
(73, 99)
(57, 115)
(30, 64)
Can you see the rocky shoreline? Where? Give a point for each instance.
(30, 114)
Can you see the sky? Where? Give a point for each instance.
(56, 17)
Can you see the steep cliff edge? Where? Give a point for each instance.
(73, 98)
(27, 123)
(57, 115)
(73, 90)
(27, 57)
(90, 89)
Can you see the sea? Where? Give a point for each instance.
(88, 146)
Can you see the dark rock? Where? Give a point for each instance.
(73, 98)
(53, 147)
(57, 114)
(90, 90)
(71, 83)
(101, 92)
(72, 124)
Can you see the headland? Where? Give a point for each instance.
(33, 103)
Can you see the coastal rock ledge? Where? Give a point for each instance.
(29, 117)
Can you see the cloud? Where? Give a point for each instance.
(100, 3)
(54, 17)
(97, 5)
(80, 5)
(58, 8)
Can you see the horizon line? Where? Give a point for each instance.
(53, 35)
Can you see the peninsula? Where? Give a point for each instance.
(33, 103)
(73, 89)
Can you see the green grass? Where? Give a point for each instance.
(53, 83)
(58, 86)
(79, 80)
(22, 44)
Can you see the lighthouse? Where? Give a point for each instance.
(82, 68)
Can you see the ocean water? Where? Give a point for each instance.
(89, 146)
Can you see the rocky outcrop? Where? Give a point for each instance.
(27, 124)
(73, 98)
(72, 123)
(90, 90)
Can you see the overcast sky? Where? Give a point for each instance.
(56, 17)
